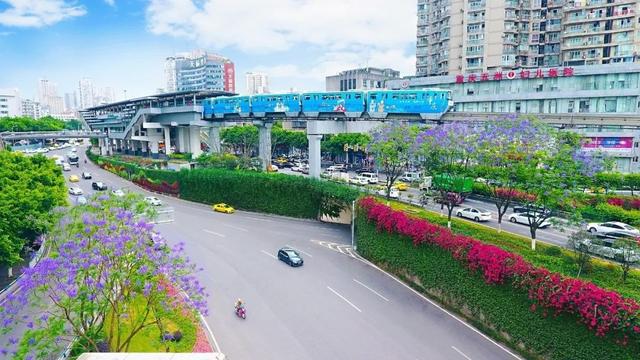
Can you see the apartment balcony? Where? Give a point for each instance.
(593, 4)
(475, 19)
(474, 54)
(514, 4)
(555, 3)
(583, 45)
(477, 7)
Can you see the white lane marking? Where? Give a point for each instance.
(235, 227)
(460, 352)
(266, 253)
(302, 251)
(441, 308)
(258, 219)
(214, 233)
(343, 298)
(370, 289)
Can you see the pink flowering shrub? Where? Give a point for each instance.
(615, 202)
(514, 194)
(601, 310)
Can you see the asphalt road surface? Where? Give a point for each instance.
(336, 306)
(552, 234)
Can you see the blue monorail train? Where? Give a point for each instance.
(379, 104)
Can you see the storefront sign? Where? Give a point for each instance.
(515, 74)
(607, 143)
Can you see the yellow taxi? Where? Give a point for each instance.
(401, 186)
(223, 208)
(74, 178)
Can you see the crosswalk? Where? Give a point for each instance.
(341, 248)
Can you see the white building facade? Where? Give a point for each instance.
(10, 103)
(257, 83)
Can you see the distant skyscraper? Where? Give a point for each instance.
(106, 96)
(86, 93)
(70, 102)
(257, 83)
(48, 96)
(10, 103)
(199, 70)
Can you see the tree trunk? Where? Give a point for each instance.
(10, 272)
(533, 237)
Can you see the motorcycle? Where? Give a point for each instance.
(241, 312)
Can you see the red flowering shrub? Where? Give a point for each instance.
(162, 187)
(603, 311)
(635, 204)
(616, 202)
(514, 194)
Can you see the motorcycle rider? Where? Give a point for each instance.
(239, 304)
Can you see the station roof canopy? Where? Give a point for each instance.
(199, 95)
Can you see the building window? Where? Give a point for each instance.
(610, 105)
(518, 106)
(570, 106)
(584, 106)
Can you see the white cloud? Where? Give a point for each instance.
(345, 33)
(110, 2)
(271, 25)
(38, 13)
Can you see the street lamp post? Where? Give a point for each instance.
(353, 225)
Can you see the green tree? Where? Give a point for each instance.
(334, 144)
(24, 123)
(31, 188)
(632, 181)
(73, 124)
(610, 181)
(285, 140)
(242, 139)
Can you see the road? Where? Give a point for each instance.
(334, 307)
(550, 235)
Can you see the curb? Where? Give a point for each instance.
(13, 287)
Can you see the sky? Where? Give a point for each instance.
(122, 44)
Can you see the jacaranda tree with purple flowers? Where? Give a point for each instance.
(108, 277)
(506, 148)
(392, 147)
(448, 150)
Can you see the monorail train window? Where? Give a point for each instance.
(324, 97)
(357, 96)
(372, 96)
(395, 96)
(307, 97)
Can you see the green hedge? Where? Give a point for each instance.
(248, 190)
(502, 310)
(551, 257)
(263, 192)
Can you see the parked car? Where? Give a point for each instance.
(66, 167)
(359, 180)
(609, 247)
(152, 200)
(290, 256)
(365, 170)
(411, 176)
(612, 226)
(305, 169)
(371, 177)
(531, 209)
(75, 191)
(74, 178)
(475, 214)
(86, 175)
(100, 186)
(81, 200)
(523, 218)
(272, 168)
(223, 208)
(401, 186)
(117, 192)
(394, 193)
(297, 167)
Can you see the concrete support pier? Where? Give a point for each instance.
(315, 158)
(214, 139)
(264, 147)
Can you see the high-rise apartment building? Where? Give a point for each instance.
(48, 96)
(257, 83)
(199, 70)
(32, 109)
(86, 93)
(10, 103)
(467, 36)
(360, 79)
(600, 32)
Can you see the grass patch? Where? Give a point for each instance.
(149, 338)
(556, 259)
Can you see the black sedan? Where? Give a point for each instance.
(99, 186)
(290, 256)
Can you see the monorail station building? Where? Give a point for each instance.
(602, 102)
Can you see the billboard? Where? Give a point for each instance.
(609, 143)
(229, 77)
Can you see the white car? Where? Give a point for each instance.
(371, 177)
(75, 191)
(611, 226)
(359, 180)
(81, 200)
(118, 193)
(394, 193)
(297, 167)
(607, 248)
(152, 200)
(474, 214)
(523, 218)
(66, 167)
(86, 175)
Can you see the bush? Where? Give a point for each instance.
(605, 312)
(263, 192)
(608, 212)
(497, 309)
